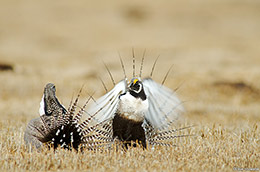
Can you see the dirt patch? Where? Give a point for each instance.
(6, 67)
(245, 92)
(238, 86)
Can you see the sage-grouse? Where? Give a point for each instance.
(58, 127)
(140, 110)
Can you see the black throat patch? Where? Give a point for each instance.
(140, 95)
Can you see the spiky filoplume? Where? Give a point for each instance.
(58, 127)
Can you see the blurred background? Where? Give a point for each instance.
(213, 45)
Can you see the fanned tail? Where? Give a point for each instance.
(163, 137)
(67, 131)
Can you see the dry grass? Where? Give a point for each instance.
(215, 148)
(214, 46)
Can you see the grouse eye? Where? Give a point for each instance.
(137, 87)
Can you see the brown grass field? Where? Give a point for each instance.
(213, 45)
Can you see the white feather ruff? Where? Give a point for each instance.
(105, 107)
(164, 105)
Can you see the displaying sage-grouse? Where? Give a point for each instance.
(141, 110)
(58, 127)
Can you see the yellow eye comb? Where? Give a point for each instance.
(135, 81)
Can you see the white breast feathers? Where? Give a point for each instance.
(131, 107)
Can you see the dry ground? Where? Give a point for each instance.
(214, 46)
